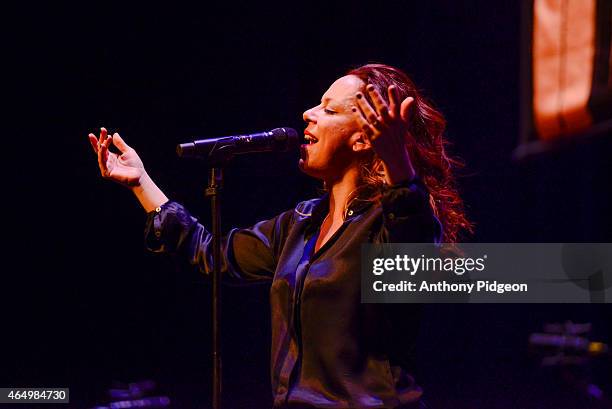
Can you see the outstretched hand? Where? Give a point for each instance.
(385, 127)
(125, 168)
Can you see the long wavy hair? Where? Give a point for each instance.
(427, 149)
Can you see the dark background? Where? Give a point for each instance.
(85, 306)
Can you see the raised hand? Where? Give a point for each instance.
(385, 128)
(126, 168)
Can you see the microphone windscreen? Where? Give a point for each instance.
(287, 136)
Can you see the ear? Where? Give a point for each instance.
(360, 143)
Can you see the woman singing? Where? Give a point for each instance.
(378, 146)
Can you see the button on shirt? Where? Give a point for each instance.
(328, 349)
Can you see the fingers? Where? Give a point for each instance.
(367, 128)
(105, 138)
(381, 112)
(102, 159)
(101, 148)
(103, 135)
(405, 109)
(366, 109)
(120, 143)
(102, 162)
(394, 104)
(103, 144)
(94, 142)
(379, 102)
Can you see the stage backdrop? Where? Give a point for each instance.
(567, 87)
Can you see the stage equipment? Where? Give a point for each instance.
(217, 153)
(276, 140)
(567, 348)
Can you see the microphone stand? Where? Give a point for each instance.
(221, 152)
(215, 183)
(217, 159)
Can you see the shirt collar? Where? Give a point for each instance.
(356, 207)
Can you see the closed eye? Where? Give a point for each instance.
(329, 111)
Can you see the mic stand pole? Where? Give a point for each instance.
(217, 158)
(215, 183)
(220, 154)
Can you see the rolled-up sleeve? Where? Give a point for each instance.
(248, 255)
(168, 227)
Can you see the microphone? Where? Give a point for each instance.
(276, 140)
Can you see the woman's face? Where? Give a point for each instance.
(333, 136)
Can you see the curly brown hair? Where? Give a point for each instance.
(426, 146)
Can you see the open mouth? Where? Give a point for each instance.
(310, 140)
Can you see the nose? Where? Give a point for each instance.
(308, 115)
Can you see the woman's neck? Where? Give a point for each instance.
(339, 192)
